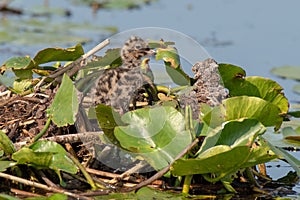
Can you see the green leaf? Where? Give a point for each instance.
(296, 88)
(172, 61)
(267, 89)
(233, 133)
(157, 134)
(108, 119)
(219, 159)
(23, 73)
(45, 155)
(58, 54)
(56, 196)
(7, 197)
(4, 164)
(7, 78)
(225, 150)
(64, 107)
(111, 58)
(5, 144)
(123, 4)
(150, 193)
(244, 107)
(20, 86)
(177, 75)
(169, 55)
(290, 72)
(270, 91)
(261, 153)
(253, 107)
(19, 63)
(293, 136)
(287, 138)
(294, 162)
(36, 159)
(60, 160)
(232, 76)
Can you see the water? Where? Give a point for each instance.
(256, 35)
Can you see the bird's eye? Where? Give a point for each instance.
(138, 46)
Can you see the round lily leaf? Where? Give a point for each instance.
(270, 91)
(218, 159)
(252, 107)
(244, 107)
(232, 76)
(289, 138)
(296, 88)
(157, 134)
(226, 149)
(267, 89)
(290, 72)
(233, 133)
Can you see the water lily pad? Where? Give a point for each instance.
(46, 155)
(296, 88)
(238, 85)
(289, 137)
(244, 107)
(290, 72)
(293, 161)
(221, 159)
(232, 76)
(253, 107)
(148, 193)
(233, 133)
(157, 134)
(117, 4)
(35, 31)
(225, 150)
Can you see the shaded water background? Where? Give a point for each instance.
(256, 35)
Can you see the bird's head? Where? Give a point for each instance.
(134, 49)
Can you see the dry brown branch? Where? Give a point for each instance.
(42, 186)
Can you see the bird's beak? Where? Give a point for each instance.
(152, 52)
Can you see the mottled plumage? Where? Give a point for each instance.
(116, 87)
(208, 87)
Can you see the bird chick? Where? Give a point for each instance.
(116, 87)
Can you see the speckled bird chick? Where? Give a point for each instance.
(208, 87)
(116, 87)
